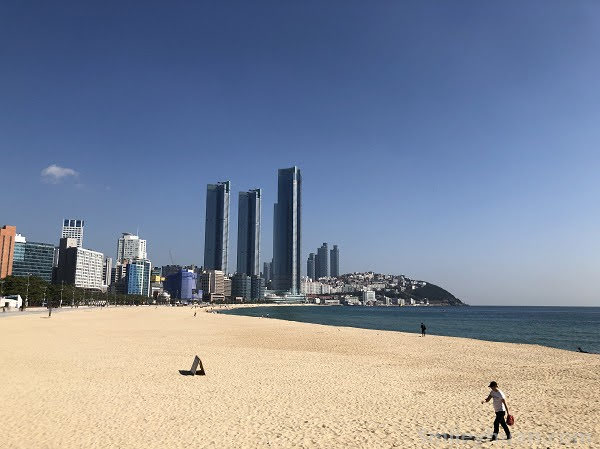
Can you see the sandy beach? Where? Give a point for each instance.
(110, 378)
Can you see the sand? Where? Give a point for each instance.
(109, 378)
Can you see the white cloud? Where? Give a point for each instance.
(55, 173)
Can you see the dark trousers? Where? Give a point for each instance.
(499, 421)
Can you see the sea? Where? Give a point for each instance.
(567, 328)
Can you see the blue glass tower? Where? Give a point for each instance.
(248, 242)
(287, 231)
(216, 229)
(138, 277)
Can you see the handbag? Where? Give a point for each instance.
(510, 420)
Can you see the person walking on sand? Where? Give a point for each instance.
(423, 329)
(500, 407)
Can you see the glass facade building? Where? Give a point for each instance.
(241, 287)
(138, 277)
(248, 241)
(35, 259)
(257, 288)
(216, 229)
(287, 231)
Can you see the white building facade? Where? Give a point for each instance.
(89, 269)
(131, 247)
(73, 228)
(368, 296)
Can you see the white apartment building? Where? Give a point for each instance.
(308, 287)
(368, 296)
(89, 268)
(131, 247)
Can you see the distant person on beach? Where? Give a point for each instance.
(501, 409)
(423, 329)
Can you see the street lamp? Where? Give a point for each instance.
(24, 305)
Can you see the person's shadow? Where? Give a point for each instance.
(448, 436)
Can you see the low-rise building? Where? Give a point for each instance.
(213, 285)
(368, 296)
(181, 285)
(11, 302)
(32, 259)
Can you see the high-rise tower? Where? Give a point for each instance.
(216, 230)
(248, 241)
(310, 266)
(334, 261)
(287, 231)
(131, 246)
(73, 229)
(322, 265)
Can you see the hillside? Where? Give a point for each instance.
(436, 295)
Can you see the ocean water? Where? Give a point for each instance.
(557, 327)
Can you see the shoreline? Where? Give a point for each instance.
(416, 332)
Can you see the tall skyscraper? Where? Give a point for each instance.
(73, 229)
(130, 247)
(322, 265)
(287, 231)
(334, 267)
(248, 242)
(216, 230)
(7, 248)
(310, 266)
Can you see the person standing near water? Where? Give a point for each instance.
(500, 407)
(423, 329)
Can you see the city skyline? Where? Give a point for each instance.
(467, 146)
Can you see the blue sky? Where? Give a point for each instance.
(455, 142)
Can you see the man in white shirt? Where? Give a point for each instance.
(500, 407)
